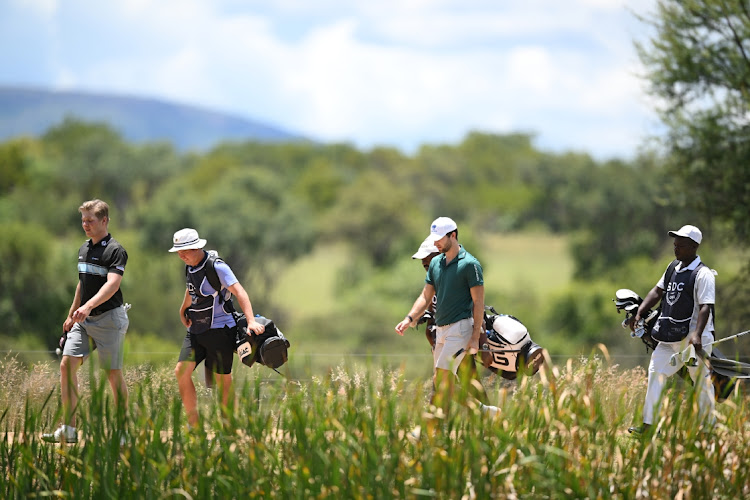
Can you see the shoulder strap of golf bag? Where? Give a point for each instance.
(213, 277)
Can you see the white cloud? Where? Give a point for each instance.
(395, 71)
(43, 8)
(532, 68)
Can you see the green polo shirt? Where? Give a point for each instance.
(453, 283)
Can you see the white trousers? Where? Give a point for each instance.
(659, 370)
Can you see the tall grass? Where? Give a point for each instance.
(347, 435)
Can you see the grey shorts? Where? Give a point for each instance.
(107, 330)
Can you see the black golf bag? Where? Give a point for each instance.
(270, 348)
(723, 370)
(506, 346)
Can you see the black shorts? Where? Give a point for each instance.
(215, 346)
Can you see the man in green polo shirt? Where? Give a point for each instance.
(455, 278)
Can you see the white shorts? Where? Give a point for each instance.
(451, 343)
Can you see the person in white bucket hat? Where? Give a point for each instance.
(456, 279)
(187, 239)
(207, 316)
(687, 290)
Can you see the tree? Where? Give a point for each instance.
(619, 212)
(16, 156)
(378, 217)
(37, 281)
(698, 66)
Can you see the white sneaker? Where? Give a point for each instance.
(415, 434)
(490, 411)
(64, 434)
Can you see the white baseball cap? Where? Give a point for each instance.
(688, 231)
(187, 239)
(440, 227)
(426, 248)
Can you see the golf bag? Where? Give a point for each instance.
(270, 348)
(723, 376)
(506, 346)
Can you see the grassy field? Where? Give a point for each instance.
(309, 283)
(347, 435)
(530, 261)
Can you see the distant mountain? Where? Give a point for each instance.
(27, 111)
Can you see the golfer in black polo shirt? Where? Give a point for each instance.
(96, 316)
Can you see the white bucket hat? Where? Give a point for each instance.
(187, 239)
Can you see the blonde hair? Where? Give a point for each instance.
(100, 208)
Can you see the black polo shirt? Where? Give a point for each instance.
(94, 263)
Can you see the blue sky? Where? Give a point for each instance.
(400, 73)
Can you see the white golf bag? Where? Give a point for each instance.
(507, 347)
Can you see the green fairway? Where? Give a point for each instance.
(307, 286)
(537, 262)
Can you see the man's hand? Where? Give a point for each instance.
(694, 339)
(473, 346)
(632, 322)
(185, 320)
(401, 327)
(81, 313)
(254, 327)
(68, 324)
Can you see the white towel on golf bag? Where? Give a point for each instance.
(688, 356)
